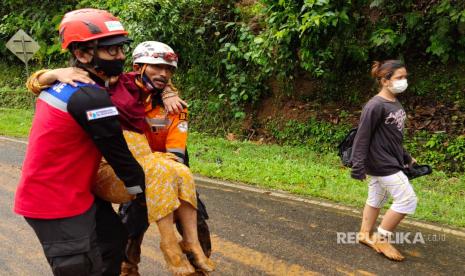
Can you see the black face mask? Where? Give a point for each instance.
(109, 67)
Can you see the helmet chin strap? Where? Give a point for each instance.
(92, 67)
(146, 85)
(145, 80)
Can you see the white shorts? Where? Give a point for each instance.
(396, 185)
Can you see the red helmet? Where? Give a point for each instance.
(88, 24)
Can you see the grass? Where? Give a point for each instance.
(294, 169)
(304, 172)
(15, 122)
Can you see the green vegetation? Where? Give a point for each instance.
(15, 122)
(235, 55)
(230, 49)
(15, 98)
(304, 172)
(440, 150)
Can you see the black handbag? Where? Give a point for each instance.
(345, 148)
(417, 170)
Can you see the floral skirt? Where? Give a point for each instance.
(167, 181)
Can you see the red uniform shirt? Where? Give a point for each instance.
(60, 165)
(72, 128)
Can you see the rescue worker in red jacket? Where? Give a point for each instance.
(140, 104)
(72, 128)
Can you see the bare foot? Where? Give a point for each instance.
(200, 260)
(364, 238)
(175, 259)
(382, 243)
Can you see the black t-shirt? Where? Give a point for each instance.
(105, 131)
(377, 148)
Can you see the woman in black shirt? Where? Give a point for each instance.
(378, 152)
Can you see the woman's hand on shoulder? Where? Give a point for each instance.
(71, 75)
(174, 104)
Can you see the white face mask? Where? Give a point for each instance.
(398, 86)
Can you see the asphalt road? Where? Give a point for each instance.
(254, 233)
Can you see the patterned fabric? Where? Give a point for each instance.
(167, 181)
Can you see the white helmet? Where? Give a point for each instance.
(154, 52)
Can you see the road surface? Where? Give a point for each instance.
(254, 233)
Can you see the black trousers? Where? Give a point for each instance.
(88, 244)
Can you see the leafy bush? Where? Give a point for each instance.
(39, 19)
(327, 36)
(16, 98)
(230, 50)
(237, 46)
(12, 76)
(440, 150)
(317, 135)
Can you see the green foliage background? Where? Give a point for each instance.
(230, 50)
(241, 44)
